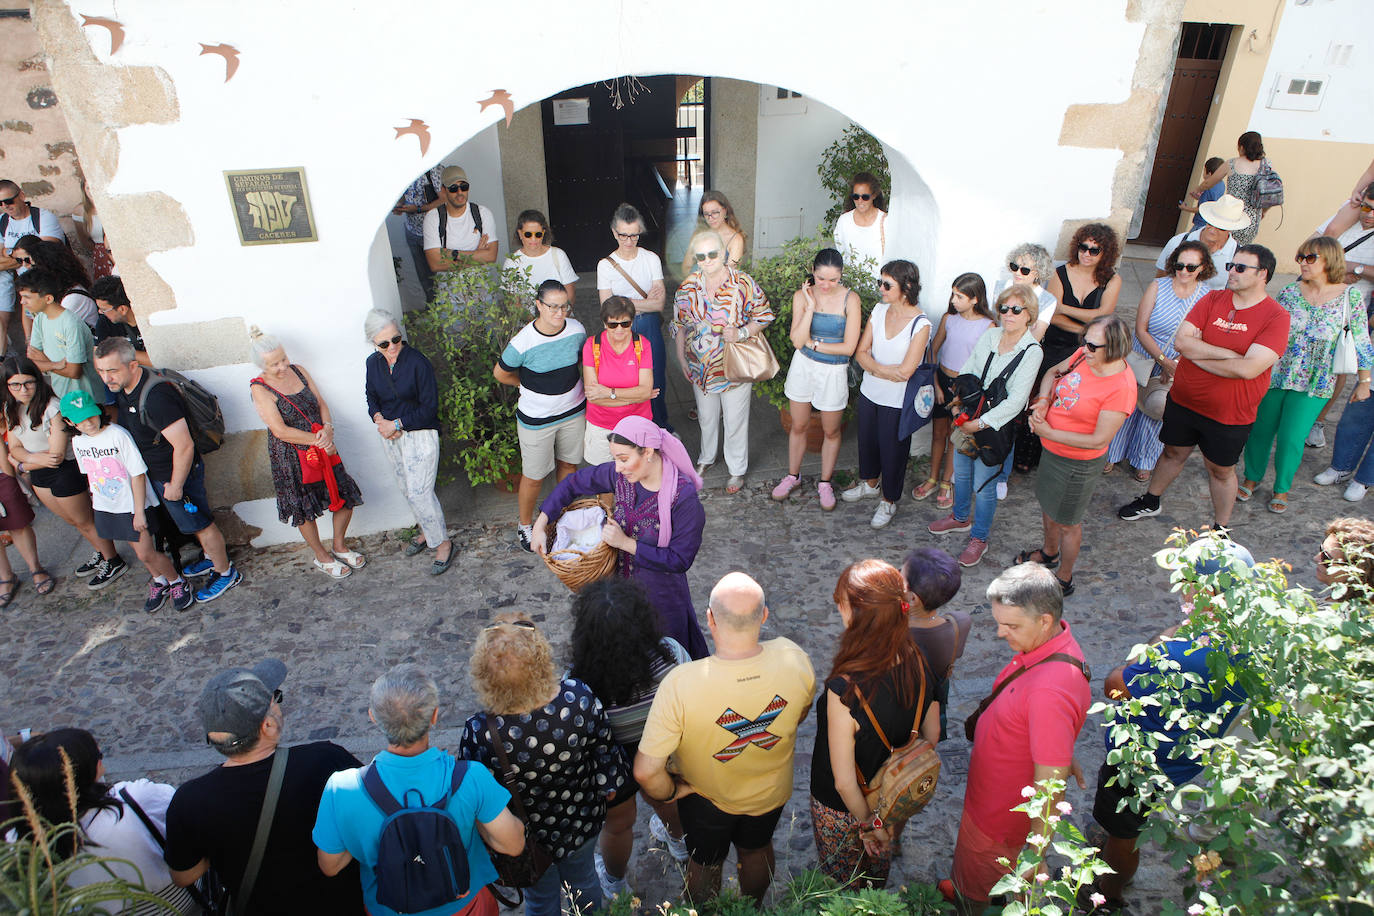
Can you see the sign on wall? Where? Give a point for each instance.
(271, 206)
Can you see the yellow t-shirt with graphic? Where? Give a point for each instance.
(731, 725)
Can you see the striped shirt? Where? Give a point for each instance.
(627, 722)
(550, 370)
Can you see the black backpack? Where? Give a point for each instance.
(421, 860)
(443, 222)
(33, 214)
(203, 414)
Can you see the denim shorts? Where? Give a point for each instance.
(192, 512)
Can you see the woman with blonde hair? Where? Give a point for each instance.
(717, 215)
(562, 778)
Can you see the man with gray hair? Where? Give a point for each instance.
(404, 704)
(1023, 732)
(250, 817)
(730, 721)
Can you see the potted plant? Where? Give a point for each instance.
(474, 314)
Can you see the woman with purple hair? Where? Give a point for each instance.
(932, 579)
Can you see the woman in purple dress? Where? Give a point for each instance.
(656, 523)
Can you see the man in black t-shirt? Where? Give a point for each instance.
(117, 316)
(213, 819)
(175, 468)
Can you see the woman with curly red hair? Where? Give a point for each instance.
(876, 679)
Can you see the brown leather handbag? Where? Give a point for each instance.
(906, 781)
(750, 360)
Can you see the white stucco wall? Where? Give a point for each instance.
(788, 197)
(1330, 39)
(973, 134)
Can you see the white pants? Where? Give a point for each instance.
(414, 458)
(734, 404)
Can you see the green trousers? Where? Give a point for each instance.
(1281, 426)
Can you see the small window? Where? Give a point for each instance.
(1314, 87)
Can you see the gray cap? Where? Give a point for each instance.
(236, 701)
(1228, 556)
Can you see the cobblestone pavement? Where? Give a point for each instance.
(94, 660)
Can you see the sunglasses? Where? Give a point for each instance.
(521, 624)
(1240, 268)
(1325, 557)
(1191, 268)
(887, 284)
(1307, 258)
(277, 696)
(860, 196)
(28, 261)
(1089, 249)
(1013, 309)
(1092, 347)
(23, 386)
(1364, 208)
(460, 186)
(533, 235)
(1024, 271)
(620, 324)
(384, 344)
(707, 255)
(8, 200)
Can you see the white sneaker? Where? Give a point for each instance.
(1329, 476)
(659, 831)
(1001, 489)
(883, 514)
(610, 887)
(1354, 491)
(1317, 437)
(860, 490)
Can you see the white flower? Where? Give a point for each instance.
(1196, 909)
(1037, 840)
(1054, 818)
(1028, 792)
(1064, 808)
(1041, 878)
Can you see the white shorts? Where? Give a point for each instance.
(596, 448)
(823, 386)
(538, 447)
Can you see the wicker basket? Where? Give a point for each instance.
(591, 565)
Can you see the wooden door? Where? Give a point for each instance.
(1201, 49)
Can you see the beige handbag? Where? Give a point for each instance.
(1151, 398)
(750, 360)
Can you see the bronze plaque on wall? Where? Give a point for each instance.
(271, 206)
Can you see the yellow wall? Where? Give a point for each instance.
(1317, 175)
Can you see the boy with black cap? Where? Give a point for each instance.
(213, 820)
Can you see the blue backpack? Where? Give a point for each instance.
(421, 862)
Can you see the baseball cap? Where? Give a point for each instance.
(78, 405)
(453, 173)
(1227, 556)
(236, 701)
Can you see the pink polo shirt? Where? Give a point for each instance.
(1034, 721)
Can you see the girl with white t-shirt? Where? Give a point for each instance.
(637, 274)
(534, 250)
(861, 230)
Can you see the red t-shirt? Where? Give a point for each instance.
(1034, 721)
(1077, 400)
(618, 370)
(1233, 401)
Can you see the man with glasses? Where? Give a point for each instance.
(544, 359)
(18, 218)
(458, 234)
(1227, 346)
(117, 316)
(213, 820)
(1222, 217)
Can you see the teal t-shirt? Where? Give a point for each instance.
(68, 337)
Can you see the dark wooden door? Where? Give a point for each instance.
(613, 158)
(1201, 50)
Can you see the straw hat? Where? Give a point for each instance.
(1226, 212)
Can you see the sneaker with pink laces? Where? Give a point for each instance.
(827, 494)
(973, 553)
(950, 523)
(786, 486)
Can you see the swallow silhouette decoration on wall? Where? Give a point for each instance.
(502, 98)
(116, 29)
(421, 131)
(228, 52)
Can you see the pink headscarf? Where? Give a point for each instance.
(647, 434)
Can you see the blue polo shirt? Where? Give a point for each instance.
(349, 820)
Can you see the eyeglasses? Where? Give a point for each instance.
(860, 196)
(712, 213)
(1240, 268)
(533, 235)
(384, 344)
(1191, 268)
(1013, 309)
(521, 624)
(23, 386)
(8, 200)
(1307, 258)
(556, 306)
(707, 255)
(620, 324)
(460, 186)
(28, 261)
(1092, 347)
(626, 236)
(1089, 249)
(1024, 271)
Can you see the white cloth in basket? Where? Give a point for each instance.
(578, 529)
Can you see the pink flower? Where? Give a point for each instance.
(1028, 792)
(1041, 878)
(1098, 899)
(1064, 808)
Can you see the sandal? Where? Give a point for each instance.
(415, 546)
(1047, 560)
(929, 486)
(945, 498)
(1108, 469)
(8, 596)
(1143, 476)
(354, 559)
(1065, 587)
(335, 570)
(734, 485)
(1246, 490)
(1279, 504)
(47, 585)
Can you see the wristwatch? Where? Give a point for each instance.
(398, 424)
(613, 395)
(1359, 270)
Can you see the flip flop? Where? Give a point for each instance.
(1279, 504)
(1243, 493)
(47, 585)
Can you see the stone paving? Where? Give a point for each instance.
(94, 660)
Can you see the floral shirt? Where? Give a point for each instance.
(738, 301)
(416, 194)
(1312, 336)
